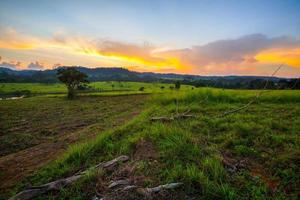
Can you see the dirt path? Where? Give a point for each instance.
(15, 166)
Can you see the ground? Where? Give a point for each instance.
(34, 131)
(249, 154)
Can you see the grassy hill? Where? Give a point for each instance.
(250, 154)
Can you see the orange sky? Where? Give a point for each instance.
(244, 55)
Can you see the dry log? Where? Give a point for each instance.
(144, 191)
(154, 189)
(112, 163)
(130, 187)
(118, 183)
(58, 184)
(163, 187)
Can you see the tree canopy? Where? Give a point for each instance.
(72, 78)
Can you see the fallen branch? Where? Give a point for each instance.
(237, 109)
(58, 184)
(154, 189)
(163, 187)
(143, 191)
(118, 183)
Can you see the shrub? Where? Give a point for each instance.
(177, 85)
(142, 89)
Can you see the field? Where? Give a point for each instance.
(252, 153)
(35, 130)
(95, 87)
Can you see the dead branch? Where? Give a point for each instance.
(154, 189)
(61, 183)
(118, 183)
(163, 119)
(144, 191)
(164, 187)
(130, 187)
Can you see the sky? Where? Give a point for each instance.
(205, 37)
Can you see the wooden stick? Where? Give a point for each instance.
(61, 183)
(163, 187)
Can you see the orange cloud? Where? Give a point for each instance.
(290, 57)
(11, 39)
(219, 56)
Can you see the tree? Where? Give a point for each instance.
(141, 89)
(177, 85)
(72, 78)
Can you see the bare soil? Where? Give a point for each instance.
(54, 126)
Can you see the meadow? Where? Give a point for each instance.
(252, 153)
(113, 87)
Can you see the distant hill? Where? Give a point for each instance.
(121, 74)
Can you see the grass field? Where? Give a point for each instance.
(96, 87)
(250, 154)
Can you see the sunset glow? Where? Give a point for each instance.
(290, 57)
(178, 45)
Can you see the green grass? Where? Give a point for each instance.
(96, 87)
(265, 136)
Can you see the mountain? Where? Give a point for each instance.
(122, 74)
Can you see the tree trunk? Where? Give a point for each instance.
(71, 92)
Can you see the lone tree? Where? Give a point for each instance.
(72, 78)
(177, 85)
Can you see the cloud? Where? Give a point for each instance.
(56, 65)
(11, 39)
(36, 66)
(128, 52)
(233, 51)
(240, 54)
(125, 49)
(11, 64)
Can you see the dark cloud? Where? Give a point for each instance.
(36, 66)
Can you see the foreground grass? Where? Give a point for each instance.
(265, 136)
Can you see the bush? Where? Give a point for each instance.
(141, 88)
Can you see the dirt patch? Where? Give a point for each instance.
(15, 166)
(271, 183)
(145, 149)
(233, 164)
